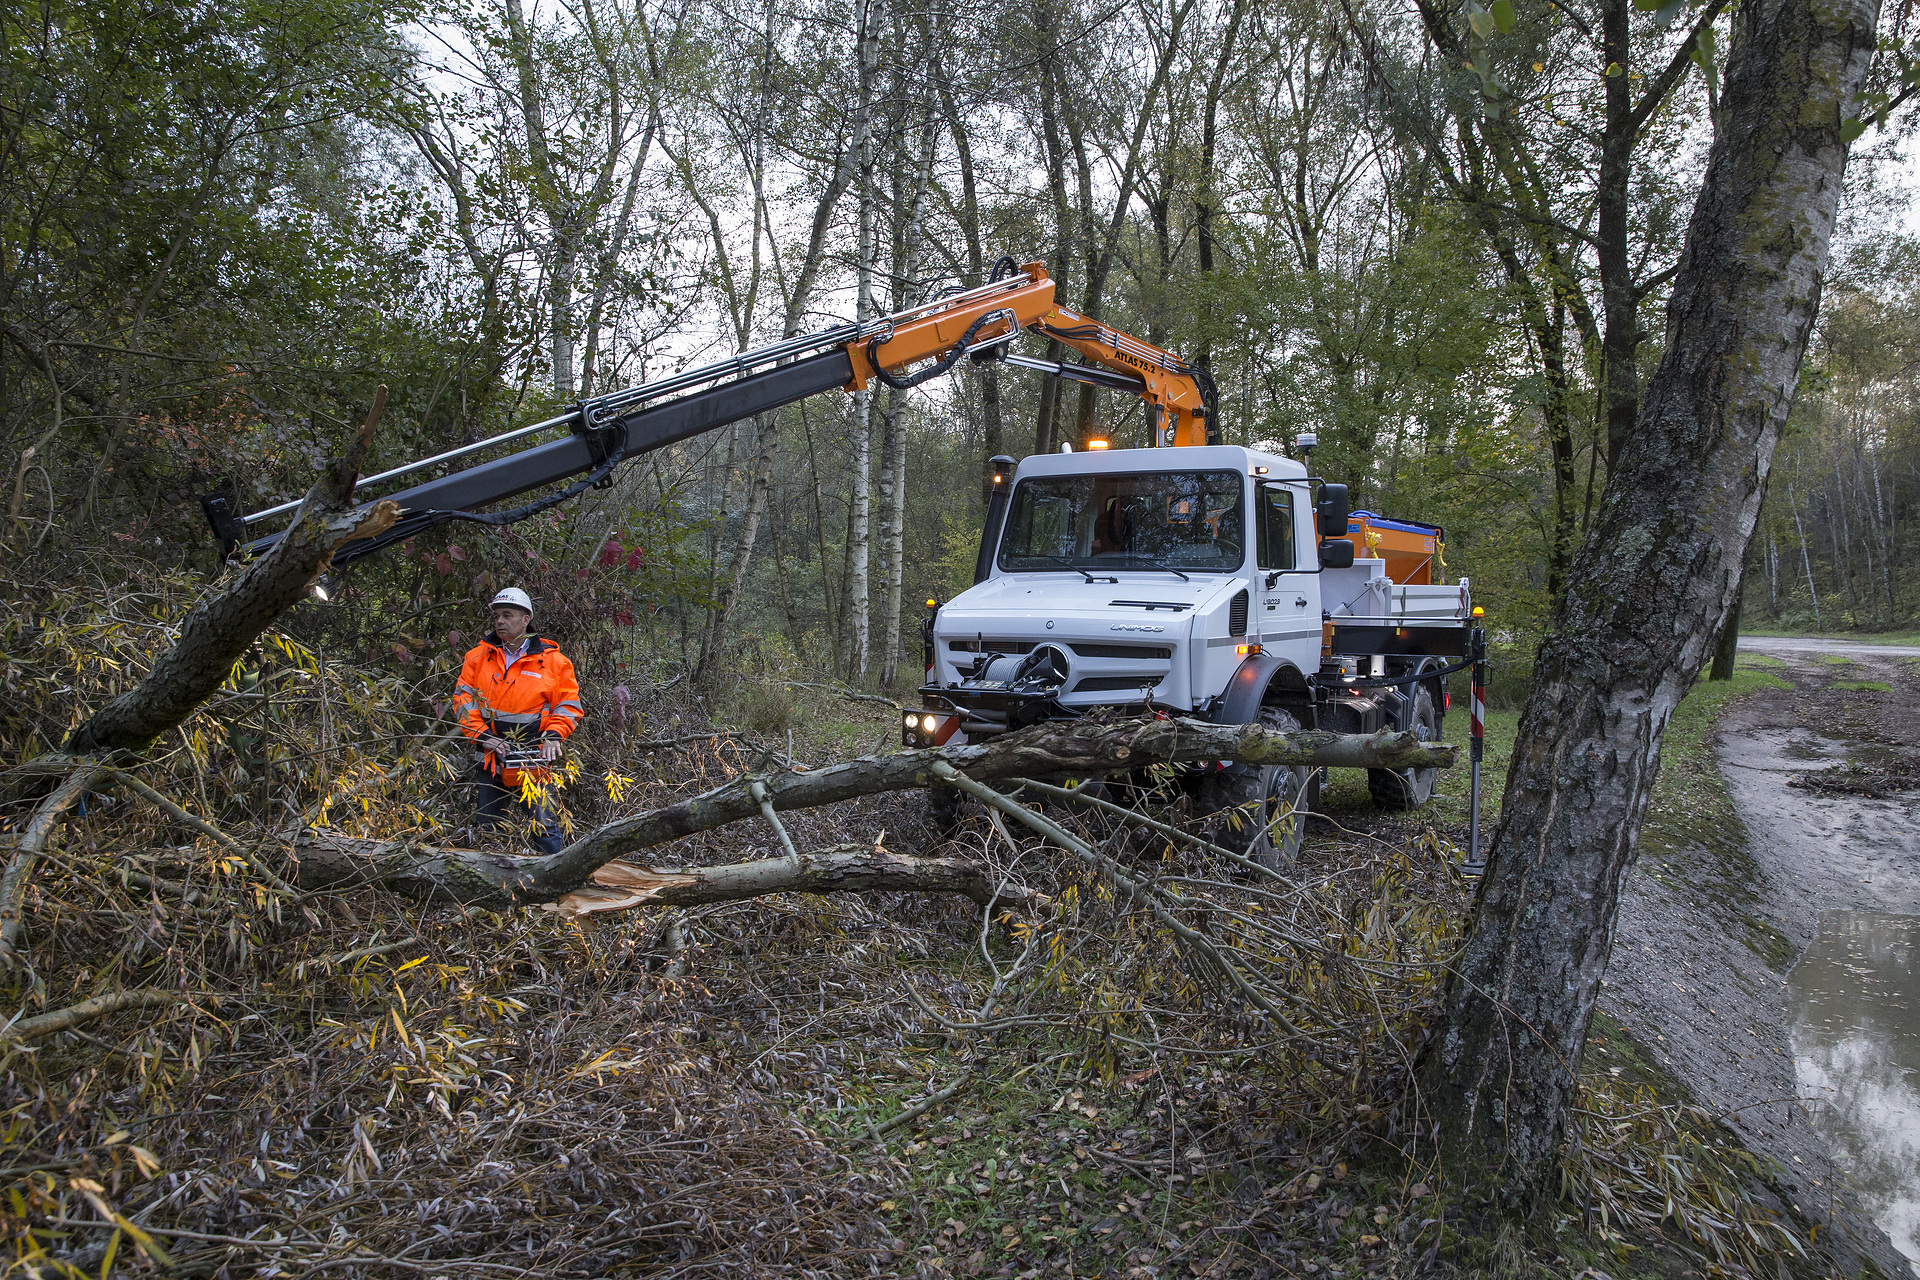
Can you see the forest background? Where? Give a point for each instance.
(1439, 236)
(224, 225)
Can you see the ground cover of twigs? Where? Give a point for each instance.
(1184, 1064)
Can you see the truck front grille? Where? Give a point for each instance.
(1097, 684)
(990, 645)
(1089, 650)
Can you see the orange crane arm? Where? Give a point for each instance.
(1178, 396)
(927, 339)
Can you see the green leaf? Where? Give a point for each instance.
(1703, 53)
(1669, 13)
(1503, 15)
(1480, 20)
(1851, 129)
(1613, 69)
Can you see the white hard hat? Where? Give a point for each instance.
(515, 597)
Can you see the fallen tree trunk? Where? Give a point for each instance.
(842, 869)
(1076, 748)
(222, 628)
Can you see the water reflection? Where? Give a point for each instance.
(1855, 1014)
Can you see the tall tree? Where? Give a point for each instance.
(869, 17)
(1649, 591)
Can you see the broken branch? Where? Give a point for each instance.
(87, 1010)
(33, 842)
(843, 869)
(1070, 749)
(220, 629)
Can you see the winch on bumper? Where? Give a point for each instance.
(1001, 692)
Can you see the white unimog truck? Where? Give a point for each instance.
(1211, 581)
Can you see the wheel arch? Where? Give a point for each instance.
(1261, 679)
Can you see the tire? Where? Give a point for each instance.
(1263, 808)
(943, 811)
(1404, 789)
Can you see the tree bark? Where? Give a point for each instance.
(222, 628)
(1649, 593)
(1078, 748)
(843, 869)
(860, 527)
(1727, 649)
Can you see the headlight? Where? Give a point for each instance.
(930, 722)
(913, 721)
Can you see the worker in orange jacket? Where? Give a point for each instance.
(516, 689)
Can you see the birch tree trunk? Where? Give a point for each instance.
(968, 217)
(1046, 421)
(1806, 561)
(1648, 594)
(860, 524)
(1101, 245)
(569, 203)
(893, 486)
(799, 294)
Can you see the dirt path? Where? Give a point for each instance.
(1721, 904)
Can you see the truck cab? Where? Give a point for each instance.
(1145, 572)
(1193, 581)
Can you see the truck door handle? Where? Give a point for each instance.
(1300, 602)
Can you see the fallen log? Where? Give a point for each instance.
(1075, 748)
(841, 869)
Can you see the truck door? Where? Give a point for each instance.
(1289, 602)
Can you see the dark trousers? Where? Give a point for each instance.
(496, 807)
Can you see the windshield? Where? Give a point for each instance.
(1181, 519)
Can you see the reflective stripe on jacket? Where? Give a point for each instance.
(537, 695)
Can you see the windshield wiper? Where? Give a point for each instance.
(1167, 567)
(1067, 562)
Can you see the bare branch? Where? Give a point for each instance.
(222, 628)
(87, 1010)
(1074, 749)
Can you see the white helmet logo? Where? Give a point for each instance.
(513, 596)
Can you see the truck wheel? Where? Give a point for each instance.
(1263, 810)
(1409, 788)
(943, 811)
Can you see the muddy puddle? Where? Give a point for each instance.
(1854, 1020)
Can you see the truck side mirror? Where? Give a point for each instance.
(1336, 553)
(1331, 507)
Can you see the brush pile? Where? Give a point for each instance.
(211, 1072)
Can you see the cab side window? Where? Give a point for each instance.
(1274, 514)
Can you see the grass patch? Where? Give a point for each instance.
(1690, 807)
(1834, 660)
(1613, 1053)
(1863, 686)
(1767, 942)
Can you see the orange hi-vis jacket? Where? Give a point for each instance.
(535, 696)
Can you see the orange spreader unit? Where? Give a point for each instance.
(1413, 552)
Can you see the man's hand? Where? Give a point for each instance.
(496, 745)
(550, 750)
